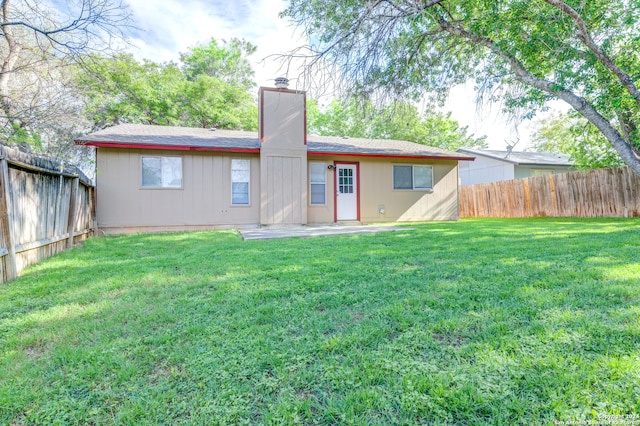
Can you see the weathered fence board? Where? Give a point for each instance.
(613, 192)
(9, 267)
(44, 208)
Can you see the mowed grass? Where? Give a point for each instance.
(497, 322)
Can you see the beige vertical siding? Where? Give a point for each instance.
(324, 213)
(284, 191)
(203, 201)
(376, 192)
(282, 120)
(283, 163)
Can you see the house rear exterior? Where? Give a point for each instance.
(159, 178)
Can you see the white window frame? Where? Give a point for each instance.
(161, 186)
(248, 182)
(413, 177)
(323, 166)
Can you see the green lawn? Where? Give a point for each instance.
(497, 322)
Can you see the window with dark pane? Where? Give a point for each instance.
(161, 172)
(317, 183)
(402, 177)
(240, 176)
(412, 177)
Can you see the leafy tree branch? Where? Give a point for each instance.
(522, 53)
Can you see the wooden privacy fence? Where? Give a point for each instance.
(44, 209)
(611, 192)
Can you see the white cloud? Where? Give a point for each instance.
(168, 27)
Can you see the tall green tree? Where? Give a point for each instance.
(400, 121)
(211, 87)
(340, 118)
(569, 133)
(122, 90)
(521, 52)
(227, 62)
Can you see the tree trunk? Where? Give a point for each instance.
(614, 137)
(13, 52)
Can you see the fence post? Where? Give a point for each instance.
(94, 215)
(11, 268)
(71, 222)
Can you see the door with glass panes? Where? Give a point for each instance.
(346, 192)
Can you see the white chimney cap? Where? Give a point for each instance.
(282, 82)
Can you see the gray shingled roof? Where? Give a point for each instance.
(522, 158)
(168, 136)
(335, 145)
(185, 138)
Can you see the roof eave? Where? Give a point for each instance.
(105, 144)
(493, 157)
(544, 164)
(129, 145)
(377, 155)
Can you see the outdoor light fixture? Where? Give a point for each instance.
(331, 167)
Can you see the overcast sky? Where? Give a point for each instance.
(168, 27)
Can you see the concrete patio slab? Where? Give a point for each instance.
(272, 232)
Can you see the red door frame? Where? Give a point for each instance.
(335, 188)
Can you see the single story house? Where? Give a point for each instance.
(495, 165)
(159, 178)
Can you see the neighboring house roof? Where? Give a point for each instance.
(522, 158)
(196, 139)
